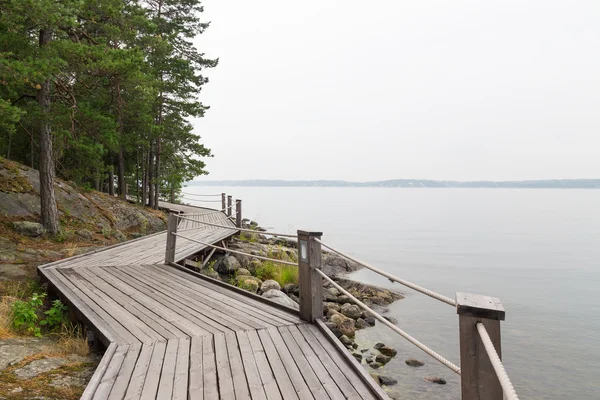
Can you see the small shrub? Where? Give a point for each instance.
(266, 270)
(56, 316)
(25, 316)
(287, 274)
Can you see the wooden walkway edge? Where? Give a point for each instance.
(173, 334)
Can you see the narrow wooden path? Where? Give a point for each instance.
(173, 334)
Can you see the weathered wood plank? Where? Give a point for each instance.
(167, 374)
(92, 385)
(238, 374)
(209, 366)
(124, 375)
(138, 377)
(281, 376)
(196, 378)
(180, 384)
(153, 374)
(226, 389)
(108, 380)
(250, 367)
(267, 377)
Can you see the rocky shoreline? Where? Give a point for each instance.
(276, 282)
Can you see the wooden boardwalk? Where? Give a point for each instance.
(174, 334)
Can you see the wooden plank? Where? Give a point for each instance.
(108, 380)
(180, 384)
(479, 306)
(240, 383)
(329, 364)
(281, 376)
(251, 368)
(150, 388)
(300, 385)
(138, 377)
(196, 377)
(147, 317)
(211, 386)
(361, 380)
(167, 374)
(317, 366)
(226, 388)
(302, 364)
(124, 375)
(90, 389)
(144, 302)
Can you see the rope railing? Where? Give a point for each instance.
(238, 229)
(235, 251)
(391, 277)
(201, 201)
(402, 333)
(507, 387)
(202, 195)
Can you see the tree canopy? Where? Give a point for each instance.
(103, 91)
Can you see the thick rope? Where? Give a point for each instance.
(384, 321)
(201, 201)
(238, 252)
(507, 387)
(391, 277)
(200, 214)
(240, 229)
(201, 195)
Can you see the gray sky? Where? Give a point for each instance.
(383, 89)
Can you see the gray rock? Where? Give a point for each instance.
(364, 350)
(370, 321)
(346, 341)
(413, 362)
(361, 324)
(334, 329)
(382, 359)
(331, 294)
(40, 366)
(291, 288)
(354, 345)
(11, 271)
(269, 284)
(378, 345)
(369, 359)
(374, 365)
(84, 233)
(211, 273)
(330, 306)
(243, 272)
(351, 310)
(13, 351)
(281, 298)
(388, 351)
(357, 356)
(342, 299)
(228, 265)
(387, 381)
(435, 379)
(395, 395)
(243, 260)
(344, 324)
(29, 228)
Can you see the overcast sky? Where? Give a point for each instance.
(383, 89)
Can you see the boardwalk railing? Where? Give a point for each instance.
(482, 373)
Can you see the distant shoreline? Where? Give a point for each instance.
(414, 183)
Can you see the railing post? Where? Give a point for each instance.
(223, 206)
(229, 206)
(171, 237)
(310, 282)
(478, 378)
(238, 213)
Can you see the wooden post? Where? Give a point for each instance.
(478, 378)
(229, 206)
(171, 237)
(238, 213)
(310, 282)
(223, 206)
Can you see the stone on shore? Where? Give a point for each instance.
(357, 356)
(243, 272)
(435, 379)
(378, 345)
(387, 381)
(346, 341)
(361, 324)
(228, 265)
(413, 362)
(388, 351)
(40, 366)
(344, 324)
(351, 310)
(374, 365)
(381, 359)
(370, 321)
(281, 298)
(327, 306)
(29, 228)
(268, 285)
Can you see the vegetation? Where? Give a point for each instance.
(282, 273)
(103, 93)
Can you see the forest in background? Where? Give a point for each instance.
(101, 93)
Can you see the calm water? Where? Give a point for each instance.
(537, 250)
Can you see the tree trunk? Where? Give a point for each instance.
(47, 197)
(137, 176)
(172, 195)
(157, 174)
(111, 181)
(121, 176)
(97, 181)
(150, 177)
(144, 163)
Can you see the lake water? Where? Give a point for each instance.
(537, 250)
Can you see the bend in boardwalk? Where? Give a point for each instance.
(171, 334)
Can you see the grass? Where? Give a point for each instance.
(281, 273)
(72, 341)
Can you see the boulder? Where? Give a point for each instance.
(211, 273)
(331, 294)
(378, 345)
(435, 379)
(243, 260)
(281, 298)
(344, 324)
(374, 365)
(291, 288)
(269, 284)
(84, 233)
(370, 321)
(40, 366)
(243, 272)
(387, 381)
(334, 329)
(413, 362)
(361, 324)
(346, 341)
(248, 283)
(329, 306)
(357, 356)
(351, 310)
(29, 228)
(388, 351)
(369, 359)
(381, 359)
(228, 265)
(254, 265)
